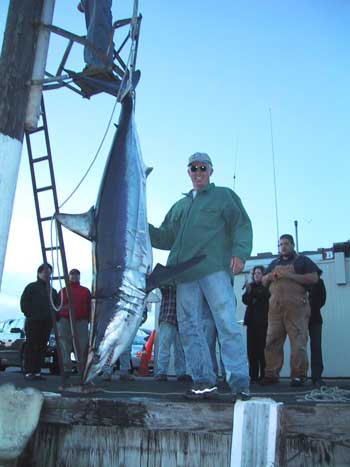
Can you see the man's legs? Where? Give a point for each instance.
(211, 334)
(315, 332)
(83, 337)
(189, 299)
(296, 322)
(165, 340)
(124, 361)
(252, 353)
(98, 17)
(276, 335)
(260, 349)
(30, 349)
(219, 294)
(66, 343)
(44, 337)
(107, 370)
(179, 355)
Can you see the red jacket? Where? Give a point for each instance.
(81, 301)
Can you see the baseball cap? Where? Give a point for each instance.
(200, 157)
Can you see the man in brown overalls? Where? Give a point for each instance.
(288, 276)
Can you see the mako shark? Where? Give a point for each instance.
(121, 248)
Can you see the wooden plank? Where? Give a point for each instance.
(254, 433)
(315, 436)
(91, 446)
(147, 413)
(324, 421)
(148, 432)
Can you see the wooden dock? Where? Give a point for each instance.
(119, 426)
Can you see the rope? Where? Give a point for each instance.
(94, 158)
(57, 309)
(327, 394)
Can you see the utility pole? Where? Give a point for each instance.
(16, 67)
(274, 178)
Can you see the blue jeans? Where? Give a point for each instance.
(211, 336)
(124, 363)
(217, 289)
(168, 336)
(98, 18)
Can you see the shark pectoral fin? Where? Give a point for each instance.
(164, 274)
(81, 224)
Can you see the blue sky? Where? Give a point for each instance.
(210, 73)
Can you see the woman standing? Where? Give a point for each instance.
(256, 297)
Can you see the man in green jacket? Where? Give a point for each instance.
(208, 221)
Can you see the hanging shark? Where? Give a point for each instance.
(121, 248)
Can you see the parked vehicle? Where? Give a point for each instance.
(12, 337)
(12, 344)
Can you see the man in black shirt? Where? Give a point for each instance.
(289, 276)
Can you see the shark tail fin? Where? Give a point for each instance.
(162, 275)
(81, 224)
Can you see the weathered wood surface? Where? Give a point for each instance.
(151, 433)
(143, 413)
(90, 446)
(316, 435)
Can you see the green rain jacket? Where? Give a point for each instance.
(214, 223)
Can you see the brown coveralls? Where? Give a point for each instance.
(289, 313)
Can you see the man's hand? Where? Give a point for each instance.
(285, 272)
(237, 265)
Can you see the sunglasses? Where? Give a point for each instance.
(196, 168)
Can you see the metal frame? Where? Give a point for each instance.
(59, 80)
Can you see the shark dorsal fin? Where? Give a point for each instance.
(148, 170)
(81, 224)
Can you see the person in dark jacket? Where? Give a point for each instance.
(35, 304)
(82, 310)
(256, 297)
(317, 299)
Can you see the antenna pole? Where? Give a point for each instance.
(296, 236)
(274, 177)
(235, 169)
